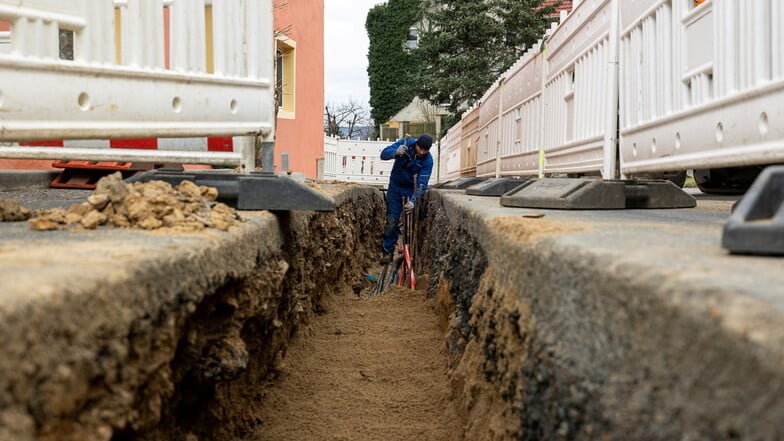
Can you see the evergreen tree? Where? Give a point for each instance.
(467, 45)
(390, 72)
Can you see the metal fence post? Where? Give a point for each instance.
(611, 131)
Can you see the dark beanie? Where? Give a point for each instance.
(425, 141)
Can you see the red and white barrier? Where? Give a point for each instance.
(360, 162)
(201, 72)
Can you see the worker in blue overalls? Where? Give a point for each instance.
(412, 162)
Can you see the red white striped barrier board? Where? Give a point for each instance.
(217, 144)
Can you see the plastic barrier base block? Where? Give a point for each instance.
(458, 184)
(256, 191)
(495, 186)
(275, 192)
(756, 226)
(85, 174)
(657, 194)
(567, 194)
(93, 165)
(595, 194)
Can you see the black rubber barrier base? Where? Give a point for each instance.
(495, 186)
(458, 184)
(756, 226)
(256, 191)
(596, 194)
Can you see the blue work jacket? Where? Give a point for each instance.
(407, 166)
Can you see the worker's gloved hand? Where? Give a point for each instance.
(401, 150)
(409, 206)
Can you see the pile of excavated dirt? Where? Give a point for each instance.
(11, 211)
(148, 206)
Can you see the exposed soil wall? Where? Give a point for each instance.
(172, 342)
(152, 336)
(240, 333)
(550, 341)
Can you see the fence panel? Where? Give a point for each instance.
(108, 62)
(701, 86)
(356, 161)
(330, 165)
(489, 128)
(449, 162)
(521, 116)
(469, 141)
(576, 90)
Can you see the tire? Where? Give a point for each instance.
(677, 177)
(726, 181)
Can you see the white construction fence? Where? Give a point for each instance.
(449, 161)
(360, 162)
(183, 81)
(663, 85)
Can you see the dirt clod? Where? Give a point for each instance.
(528, 229)
(11, 211)
(147, 206)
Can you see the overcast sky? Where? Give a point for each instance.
(345, 50)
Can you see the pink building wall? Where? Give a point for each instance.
(303, 137)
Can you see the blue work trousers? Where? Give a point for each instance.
(395, 197)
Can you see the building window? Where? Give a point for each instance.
(285, 77)
(412, 39)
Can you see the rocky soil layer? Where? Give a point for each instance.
(549, 340)
(170, 336)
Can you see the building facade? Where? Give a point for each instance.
(299, 142)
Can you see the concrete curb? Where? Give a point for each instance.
(612, 325)
(26, 179)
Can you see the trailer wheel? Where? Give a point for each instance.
(677, 177)
(726, 181)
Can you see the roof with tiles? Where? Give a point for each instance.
(565, 5)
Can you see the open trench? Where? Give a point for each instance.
(266, 333)
(298, 351)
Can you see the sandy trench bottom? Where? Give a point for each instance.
(365, 369)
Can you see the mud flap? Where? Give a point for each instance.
(256, 191)
(495, 186)
(756, 226)
(596, 194)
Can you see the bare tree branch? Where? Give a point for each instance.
(347, 119)
(285, 30)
